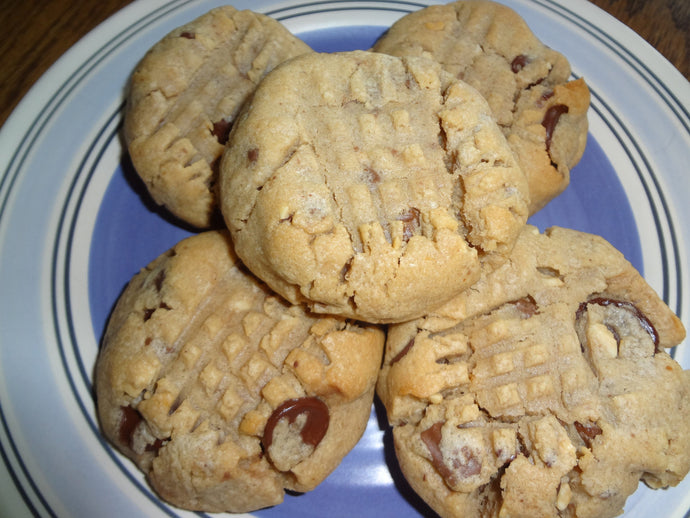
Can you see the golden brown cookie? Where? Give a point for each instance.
(369, 186)
(544, 390)
(527, 84)
(222, 393)
(184, 96)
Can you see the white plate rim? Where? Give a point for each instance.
(662, 77)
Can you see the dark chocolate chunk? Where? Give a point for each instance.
(313, 430)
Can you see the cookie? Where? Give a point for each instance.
(369, 186)
(184, 96)
(527, 84)
(222, 393)
(544, 390)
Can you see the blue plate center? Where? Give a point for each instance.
(130, 231)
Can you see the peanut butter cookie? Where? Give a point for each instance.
(527, 84)
(221, 392)
(544, 390)
(184, 96)
(369, 186)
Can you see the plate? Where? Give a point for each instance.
(75, 225)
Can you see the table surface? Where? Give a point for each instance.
(38, 32)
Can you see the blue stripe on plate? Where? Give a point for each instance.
(13, 474)
(7, 182)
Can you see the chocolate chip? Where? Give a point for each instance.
(551, 120)
(221, 130)
(253, 155)
(370, 176)
(129, 421)
(188, 35)
(645, 323)
(519, 63)
(546, 96)
(411, 222)
(313, 430)
(404, 351)
(588, 432)
(148, 312)
(465, 463)
(155, 446)
(527, 306)
(176, 404)
(431, 437)
(158, 281)
(344, 272)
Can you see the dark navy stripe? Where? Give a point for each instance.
(336, 10)
(382, 5)
(12, 172)
(13, 475)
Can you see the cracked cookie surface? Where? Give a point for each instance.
(527, 84)
(544, 390)
(184, 96)
(222, 393)
(369, 186)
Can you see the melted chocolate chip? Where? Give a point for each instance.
(344, 272)
(221, 130)
(431, 437)
(465, 463)
(148, 312)
(527, 306)
(129, 421)
(176, 404)
(519, 63)
(404, 352)
(535, 83)
(154, 446)
(551, 120)
(313, 430)
(253, 155)
(158, 281)
(588, 432)
(411, 222)
(628, 306)
(616, 335)
(188, 35)
(371, 176)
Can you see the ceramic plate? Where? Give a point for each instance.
(75, 225)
